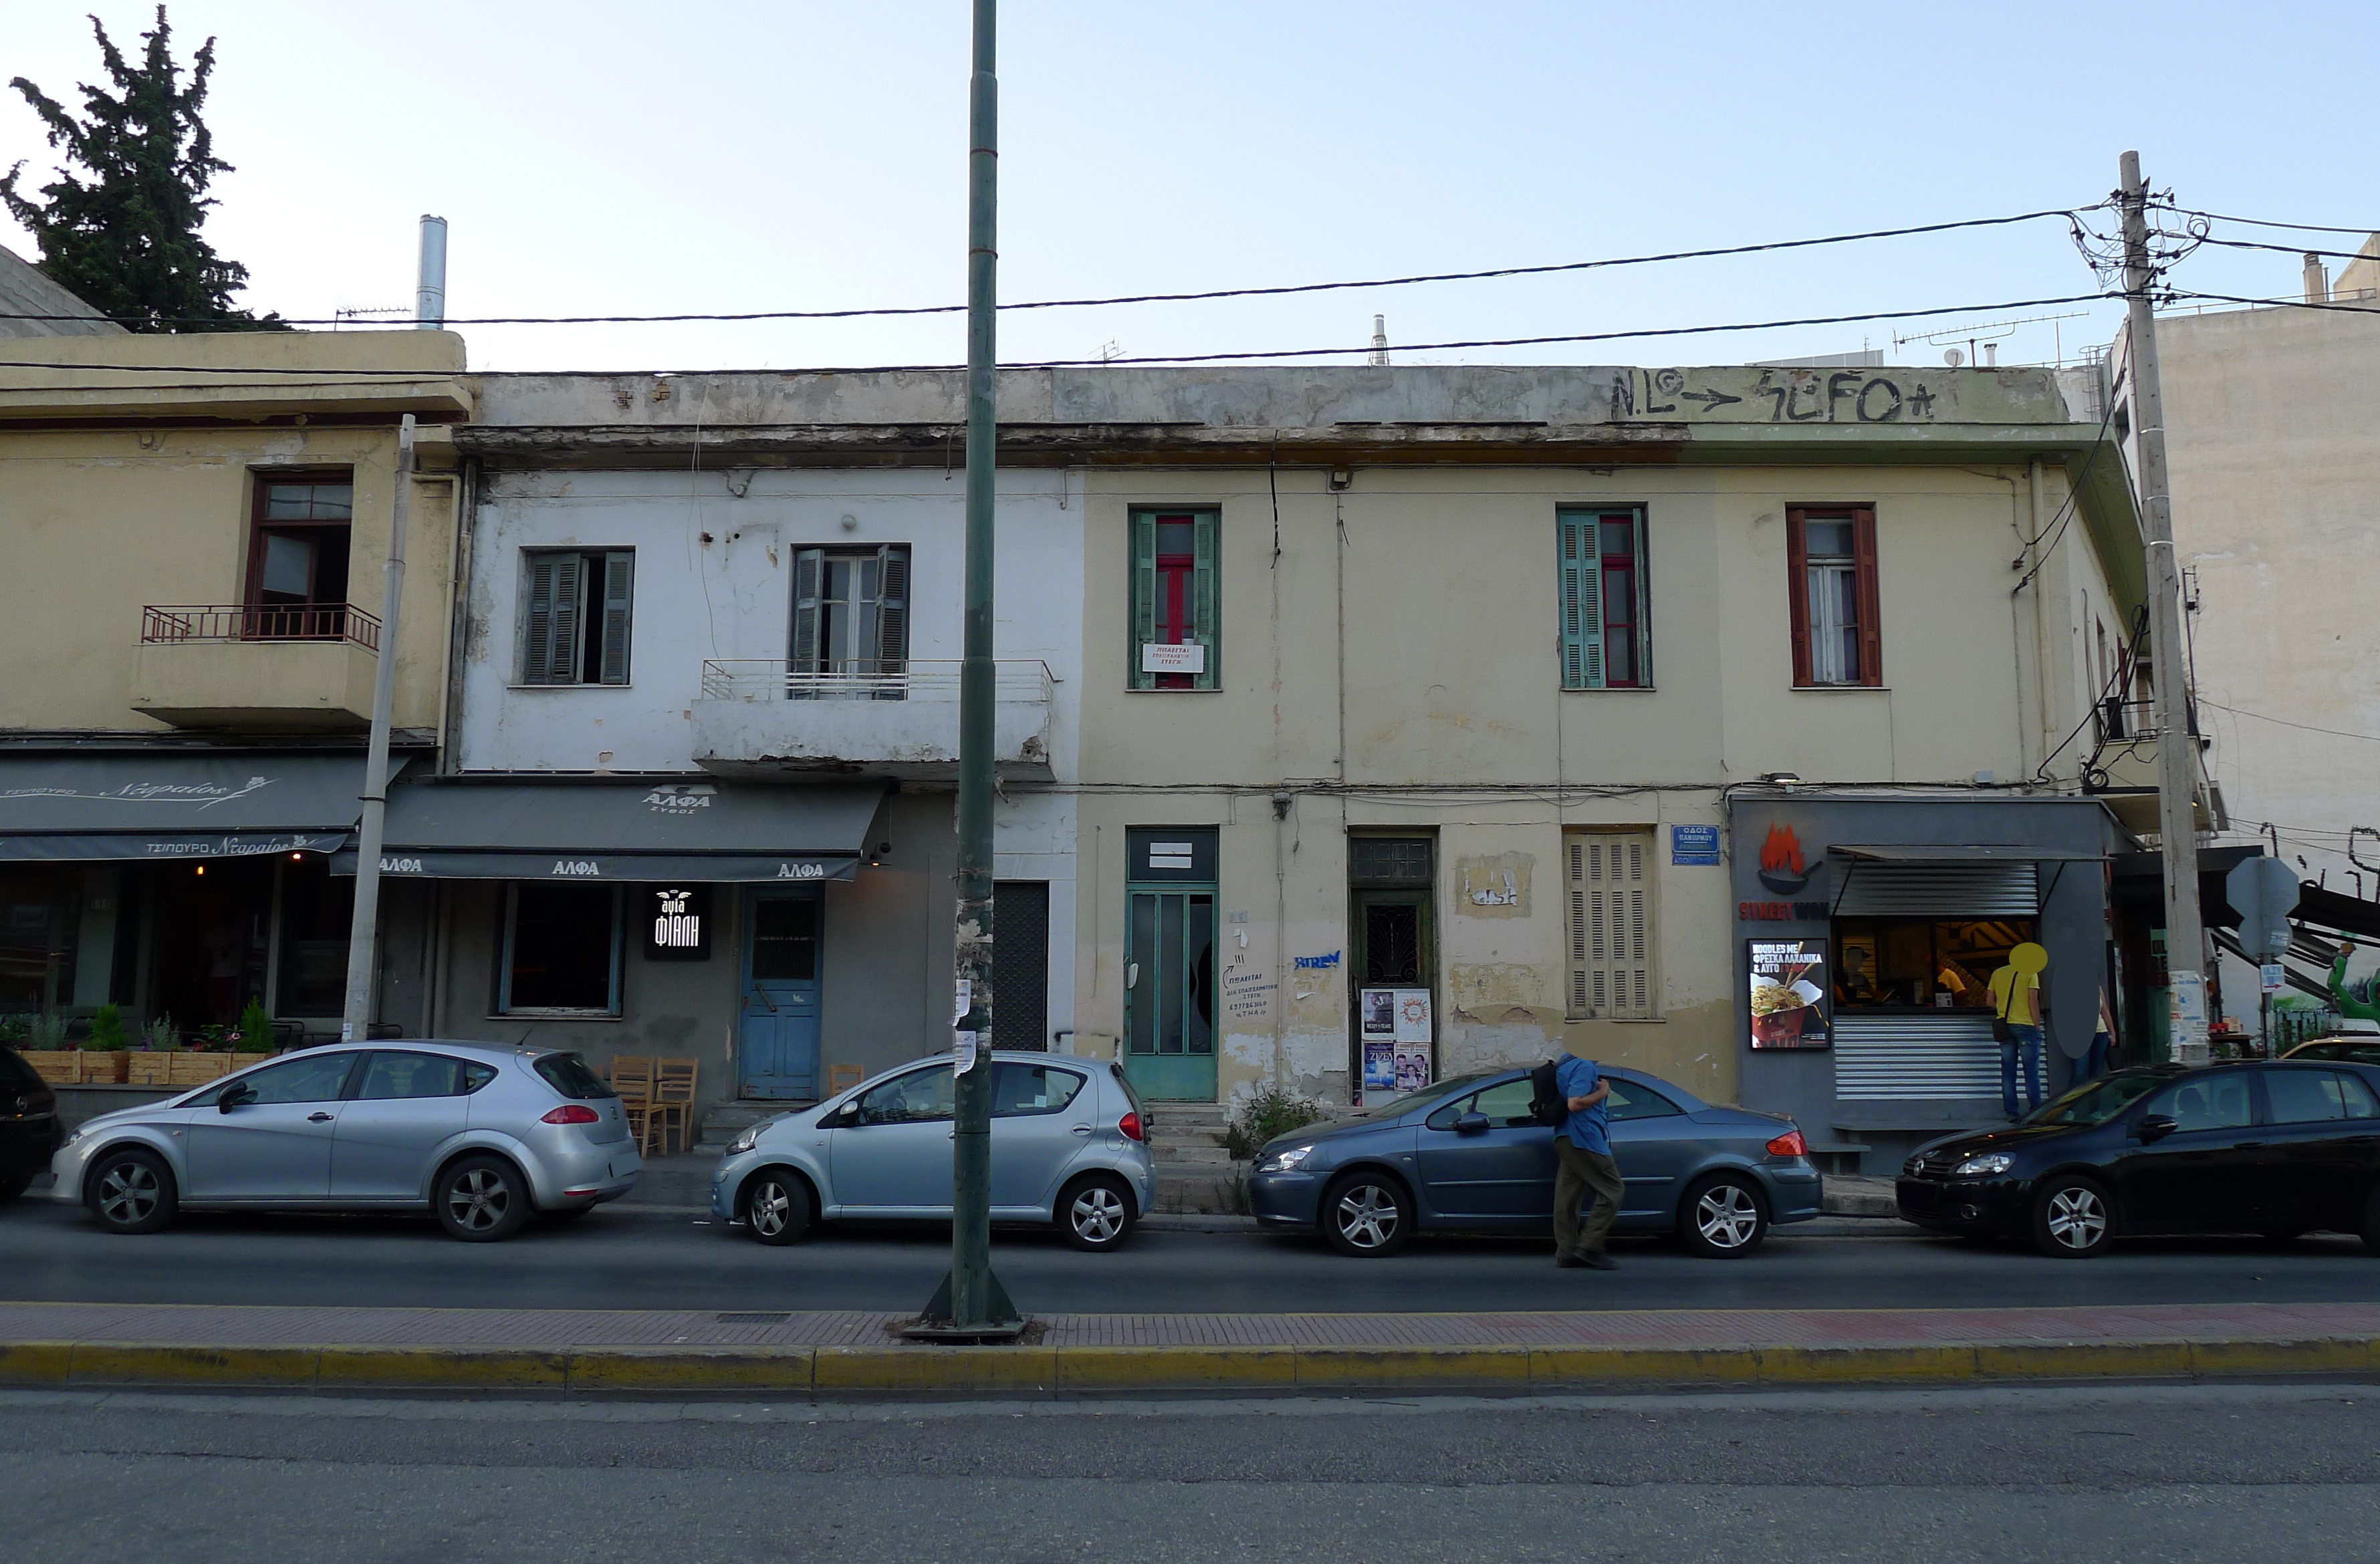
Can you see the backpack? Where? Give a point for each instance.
(1547, 1104)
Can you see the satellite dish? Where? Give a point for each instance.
(1953, 357)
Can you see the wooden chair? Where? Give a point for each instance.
(632, 1077)
(839, 1076)
(673, 1085)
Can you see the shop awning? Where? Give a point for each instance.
(1961, 852)
(1944, 879)
(176, 805)
(697, 831)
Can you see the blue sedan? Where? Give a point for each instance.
(1468, 1154)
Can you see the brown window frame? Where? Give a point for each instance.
(1797, 571)
(317, 618)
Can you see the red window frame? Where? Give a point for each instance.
(1175, 590)
(1618, 572)
(1797, 571)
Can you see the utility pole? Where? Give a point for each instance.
(2185, 937)
(971, 1305)
(355, 1020)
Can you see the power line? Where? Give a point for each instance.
(2366, 311)
(380, 377)
(2287, 250)
(2071, 214)
(2283, 721)
(2264, 222)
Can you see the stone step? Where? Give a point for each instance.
(1190, 1155)
(1196, 1191)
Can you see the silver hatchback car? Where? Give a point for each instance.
(1069, 1145)
(484, 1137)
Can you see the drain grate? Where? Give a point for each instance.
(753, 1319)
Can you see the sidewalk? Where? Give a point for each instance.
(830, 1355)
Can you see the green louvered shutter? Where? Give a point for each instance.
(619, 594)
(1582, 603)
(1206, 607)
(555, 582)
(1144, 593)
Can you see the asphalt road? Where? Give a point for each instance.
(619, 1260)
(2111, 1477)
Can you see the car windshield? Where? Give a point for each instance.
(2095, 1102)
(1427, 1097)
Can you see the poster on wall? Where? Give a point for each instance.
(1380, 1013)
(1789, 993)
(1412, 1016)
(1412, 1067)
(1379, 1064)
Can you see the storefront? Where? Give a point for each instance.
(1867, 930)
(177, 886)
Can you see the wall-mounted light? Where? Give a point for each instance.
(202, 868)
(1342, 478)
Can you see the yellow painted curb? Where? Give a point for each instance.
(441, 1368)
(100, 1364)
(2082, 1360)
(2318, 1355)
(1176, 1368)
(779, 1369)
(1864, 1366)
(36, 1362)
(935, 1368)
(1657, 1365)
(1413, 1366)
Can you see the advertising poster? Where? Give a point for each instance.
(1413, 1068)
(1412, 1016)
(1379, 1064)
(1380, 1013)
(1789, 993)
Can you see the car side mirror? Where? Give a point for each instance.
(2155, 1127)
(1471, 1124)
(237, 1097)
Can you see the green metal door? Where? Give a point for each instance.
(1169, 965)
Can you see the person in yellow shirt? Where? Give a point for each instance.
(2022, 1007)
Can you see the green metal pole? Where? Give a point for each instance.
(974, 1296)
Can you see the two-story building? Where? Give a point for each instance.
(194, 529)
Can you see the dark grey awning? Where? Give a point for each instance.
(698, 831)
(1963, 853)
(176, 805)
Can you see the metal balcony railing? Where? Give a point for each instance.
(1024, 680)
(168, 625)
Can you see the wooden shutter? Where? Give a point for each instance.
(551, 656)
(1205, 607)
(810, 570)
(1609, 895)
(1797, 587)
(1582, 603)
(619, 594)
(893, 610)
(1871, 625)
(1143, 594)
(1643, 576)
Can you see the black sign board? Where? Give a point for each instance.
(677, 922)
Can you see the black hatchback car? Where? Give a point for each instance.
(2280, 1148)
(28, 1124)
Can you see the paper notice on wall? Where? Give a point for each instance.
(1412, 1017)
(965, 999)
(963, 1044)
(1379, 1013)
(1158, 657)
(1413, 1068)
(1248, 993)
(1379, 1064)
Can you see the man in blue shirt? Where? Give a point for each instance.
(1584, 1153)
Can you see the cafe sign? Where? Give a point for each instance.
(677, 923)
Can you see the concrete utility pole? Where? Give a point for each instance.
(971, 1302)
(355, 1020)
(2185, 937)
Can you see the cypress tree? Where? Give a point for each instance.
(124, 236)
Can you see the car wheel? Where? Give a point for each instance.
(1096, 1212)
(2072, 1218)
(1723, 1217)
(482, 1199)
(776, 1206)
(11, 1188)
(131, 1191)
(1367, 1215)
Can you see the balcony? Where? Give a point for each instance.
(2122, 769)
(290, 667)
(760, 717)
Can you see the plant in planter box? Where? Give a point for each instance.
(43, 1044)
(162, 1037)
(255, 1034)
(152, 1066)
(104, 1060)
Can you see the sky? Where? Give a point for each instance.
(609, 158)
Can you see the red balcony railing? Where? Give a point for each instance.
(168, 625)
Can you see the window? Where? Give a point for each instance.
(562, 950)
(2207, 1102)
(1629, 1100)
(1174, 611)
(1610, 884)
(568, 1073)
(1605, 645)
(575, 621)
(297, 556)
(307, 1078)
(1506, 1107)
(1939, 963)
(317, 912)
(922, 1096)
(2305, 1097)
(1831, 557)
(1022, 1090)
(851, 621)
(394, 1076)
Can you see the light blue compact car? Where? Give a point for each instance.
(1069, 1145)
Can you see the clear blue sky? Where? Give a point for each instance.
(599, 157)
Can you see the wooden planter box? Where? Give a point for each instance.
(195, 1068)
(105, 1069)
(152, 1069)
(59, 1067)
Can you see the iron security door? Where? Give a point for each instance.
(1020, 966)
(1169, 971)
(777, 1036)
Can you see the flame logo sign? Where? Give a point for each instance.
(1783, 868)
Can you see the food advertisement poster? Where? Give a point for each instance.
(1789, 993)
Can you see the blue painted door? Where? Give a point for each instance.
(778, 1036)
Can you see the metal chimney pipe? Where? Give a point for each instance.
(1380, 340)
(429, 294)
(2317, 287)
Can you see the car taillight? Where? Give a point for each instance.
(1130, 1125)
(573, 1113)
(1789, 1144)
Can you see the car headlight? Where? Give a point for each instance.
(1990, 1163)
(1287, 1160)
(744, 1142)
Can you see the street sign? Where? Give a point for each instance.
(2261, 890)
(2269, 979)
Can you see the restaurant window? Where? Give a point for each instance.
(1934, 963)
(1831, 557)
(851, 618)
(1175, 615)
(1605, 643)
(575, 617)
(317, 912)
(1608, 901)
(561, 950)
(298, 533)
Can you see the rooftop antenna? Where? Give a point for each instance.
(1379, 341)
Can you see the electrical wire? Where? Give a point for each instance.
(2367, 310)
(2287, 249)
(2283, 721)
(2168, 205)
(2071, 214)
